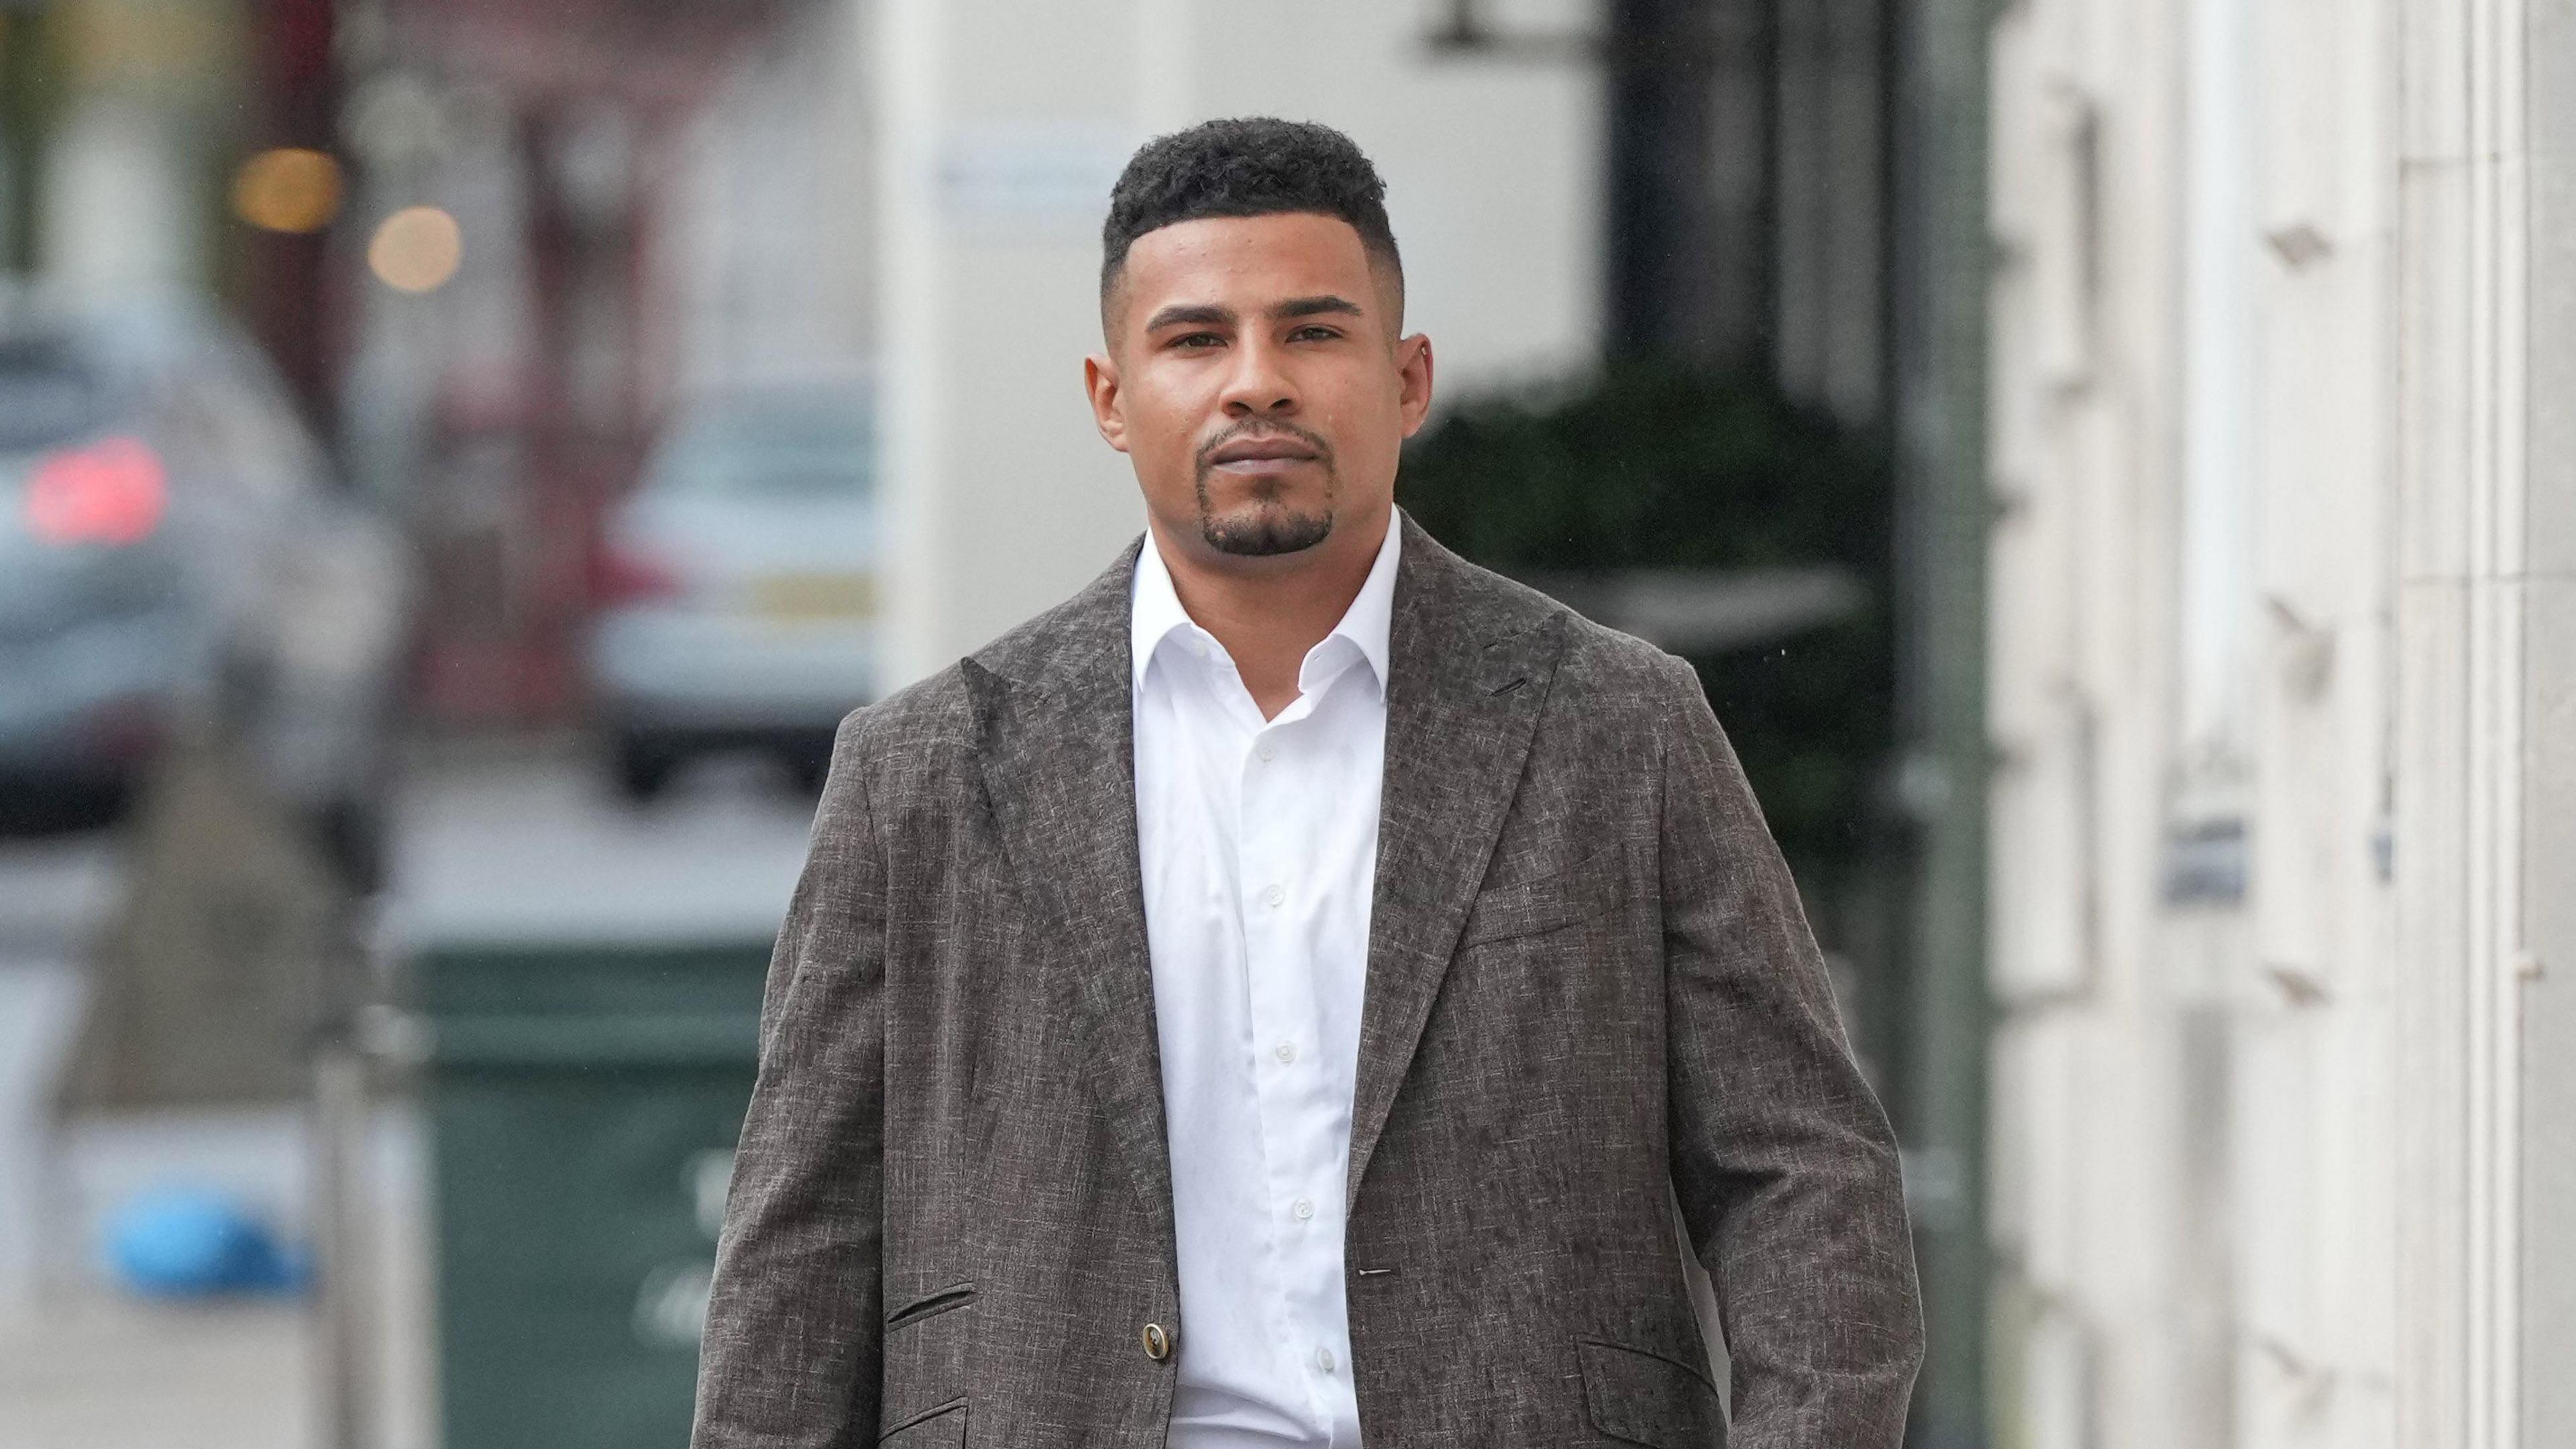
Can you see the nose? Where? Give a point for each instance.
(1259, 385)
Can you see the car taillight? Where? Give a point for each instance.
(625, 576)
(113, 491)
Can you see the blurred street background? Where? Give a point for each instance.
(2108, 460)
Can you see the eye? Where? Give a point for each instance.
(1196, 340)
(1314, 332)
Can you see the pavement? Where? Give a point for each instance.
(502, 839)
(101, 1373)
(53, 892)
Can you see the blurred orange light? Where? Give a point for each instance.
(113, 492)
(416, 249)
(288, 189)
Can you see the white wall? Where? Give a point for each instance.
(999, 130)
(2265, 1162)
(2108, 1092)
(768, 221)
(2548, 1002)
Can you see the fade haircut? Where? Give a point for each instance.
(1247, 166)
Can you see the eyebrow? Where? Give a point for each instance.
(1316, 307)
(1200, 315)
(1206, 314)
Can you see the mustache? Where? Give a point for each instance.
(1250, 430)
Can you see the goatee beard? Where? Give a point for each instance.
(1267, 526)
(1271, 530)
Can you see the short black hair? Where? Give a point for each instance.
(1246, 166)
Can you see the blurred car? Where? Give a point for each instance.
(737, 589)
(175, 553)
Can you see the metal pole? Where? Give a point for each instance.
(1944, 512)
(26, 92)
(344, 1319)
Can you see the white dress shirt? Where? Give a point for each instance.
(1258, 840)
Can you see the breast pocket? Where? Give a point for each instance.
(1591, 888)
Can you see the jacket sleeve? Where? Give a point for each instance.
(790, 1356)
(1784, 1164)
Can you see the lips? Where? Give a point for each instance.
(1264, 450)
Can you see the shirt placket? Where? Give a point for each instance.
(1276, 851)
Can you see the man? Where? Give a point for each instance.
(1280, 996)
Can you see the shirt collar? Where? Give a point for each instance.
(1371, 616)
(1155, 612)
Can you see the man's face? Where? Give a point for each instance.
(1256, 380)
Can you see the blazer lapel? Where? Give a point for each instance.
(1468, 666)
(1053, 711)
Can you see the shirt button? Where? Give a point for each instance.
(1274, 895)
(1305, 1209)
(1285, 1051)
(1324, 1359)
(1266, 750)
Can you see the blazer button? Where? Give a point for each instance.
(1158, 1342)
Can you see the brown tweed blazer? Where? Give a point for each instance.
(1591, 994)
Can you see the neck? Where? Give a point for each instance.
(1268, 612)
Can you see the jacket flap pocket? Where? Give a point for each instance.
(922, 1364)
(1593, 886)
(931, 1305)
(941, 1428)
(1646, 1398)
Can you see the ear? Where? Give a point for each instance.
(1413, 369)
(1100, 380)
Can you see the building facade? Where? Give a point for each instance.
(2282, 635)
